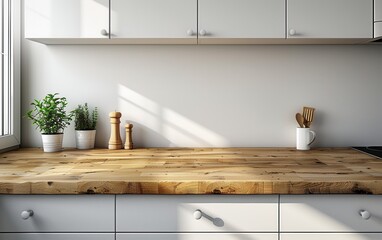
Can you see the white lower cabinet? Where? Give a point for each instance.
(331, 213)
(57, 213)
(56, 236)
(57, 217)
(331, 236)
(190, 217)
(186, 213)
(197, 236)
(330, 217)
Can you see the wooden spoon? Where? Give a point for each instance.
(300, 119)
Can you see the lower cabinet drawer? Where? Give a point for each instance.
(56, 236)
(331, 213)
(331, 236)
(187, 213)
(197, 236)
(57, 213)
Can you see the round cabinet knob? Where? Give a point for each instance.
(292, 32)
(104, 32)
(190, 32)
(202, 32)
(365, 214)
(26, 214)
(198, 214)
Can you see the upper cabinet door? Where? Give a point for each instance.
(153, 21)
(330, 18)
(377, 18)
(66, 19)
(228, 21)
(378, 10)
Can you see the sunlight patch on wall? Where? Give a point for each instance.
(177, 129)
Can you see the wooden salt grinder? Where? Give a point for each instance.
(115, 141)
(129, 138)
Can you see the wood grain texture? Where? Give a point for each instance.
(190, 171)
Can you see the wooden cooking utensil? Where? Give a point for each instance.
(308, 114)
(300, 119)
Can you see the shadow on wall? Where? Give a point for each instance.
(171, 128)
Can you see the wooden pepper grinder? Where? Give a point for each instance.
(129, 138)
(115, 141)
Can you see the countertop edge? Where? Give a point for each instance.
(193, 187)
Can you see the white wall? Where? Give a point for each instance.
(213, 95)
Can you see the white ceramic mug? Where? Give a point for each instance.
(304, 137)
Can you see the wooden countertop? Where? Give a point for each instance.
(190, 171)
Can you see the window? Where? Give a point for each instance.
(9, 74)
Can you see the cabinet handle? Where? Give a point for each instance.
(218, 222)
(365, 214)
(292, 32)
(190, 32)
(198, 214)
(26, 214)
(202, 32)
(104, 32)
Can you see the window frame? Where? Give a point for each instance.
(12, 140)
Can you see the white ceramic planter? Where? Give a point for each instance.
(85, 139)
(52, 142)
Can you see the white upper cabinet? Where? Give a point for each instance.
(154, 21)
(241, 21)
(377, 18)
(47, 19)
(377, 10)
(201, 21)
(330, 19)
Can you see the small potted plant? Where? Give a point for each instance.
(49, 115)
(85, 126)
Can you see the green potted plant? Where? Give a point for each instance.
(50, 117)
(85, 126)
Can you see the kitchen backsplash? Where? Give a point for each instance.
(199, 96)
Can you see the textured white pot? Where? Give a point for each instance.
(52, 142)
(85, 139)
